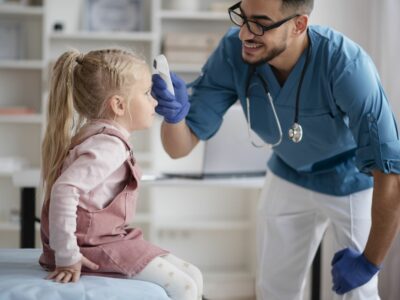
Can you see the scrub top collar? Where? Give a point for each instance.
(281, 94)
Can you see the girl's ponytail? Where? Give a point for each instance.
(60, 117)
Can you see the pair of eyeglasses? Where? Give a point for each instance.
(237, 18)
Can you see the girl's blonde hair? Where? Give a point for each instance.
(81, 84)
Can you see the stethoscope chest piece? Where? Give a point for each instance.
(296, 133)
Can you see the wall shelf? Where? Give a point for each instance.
(247, 182)
(22, 119)
(199, 15)
(104, 36)
(6, 174)
(23, 64)
(12, 226)
(202, 225)
(21, 10)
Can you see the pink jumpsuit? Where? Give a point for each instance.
(103, 235)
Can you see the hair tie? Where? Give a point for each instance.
(79, 58)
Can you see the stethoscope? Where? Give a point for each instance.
(296, 131)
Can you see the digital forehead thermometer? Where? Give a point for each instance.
(160, 65)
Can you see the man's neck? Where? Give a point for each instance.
(285, 63)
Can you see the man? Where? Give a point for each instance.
(333, 135)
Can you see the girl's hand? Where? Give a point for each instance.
(71, 273)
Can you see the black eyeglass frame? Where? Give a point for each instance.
(247, 21)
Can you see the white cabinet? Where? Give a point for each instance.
(22, 66)
(21, 76)
(209, 223)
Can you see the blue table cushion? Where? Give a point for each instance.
(21, 277)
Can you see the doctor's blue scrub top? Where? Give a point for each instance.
(348, 127)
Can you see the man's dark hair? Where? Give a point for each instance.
(298, 6)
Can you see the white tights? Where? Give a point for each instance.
(181, 280)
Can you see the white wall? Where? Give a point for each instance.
(352, 17)
(375, 26)
(385, 46)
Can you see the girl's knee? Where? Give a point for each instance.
(191, 289)
(196, 275)
(183, 289)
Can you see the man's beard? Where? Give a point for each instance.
(268, 57)
(273, 53)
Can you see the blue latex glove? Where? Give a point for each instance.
(351, 269)
(173, 108)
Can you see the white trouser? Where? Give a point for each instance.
(291, 223)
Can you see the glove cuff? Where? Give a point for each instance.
(370, 267)
(180, 115)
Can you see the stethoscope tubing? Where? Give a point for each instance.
(296, 131)
(278, 124)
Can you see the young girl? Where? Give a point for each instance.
(91, 177)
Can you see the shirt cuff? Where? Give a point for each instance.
(203, 121)
(65, 261)
(384, 157)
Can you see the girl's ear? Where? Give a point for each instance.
(118, 105)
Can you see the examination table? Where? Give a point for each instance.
(21, 278)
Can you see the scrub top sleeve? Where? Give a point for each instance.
(359, 94)
(213, 92)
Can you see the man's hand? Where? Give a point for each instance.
(71, 273)
(350, 269)
(173, 108)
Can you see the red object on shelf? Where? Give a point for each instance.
(16, 110)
